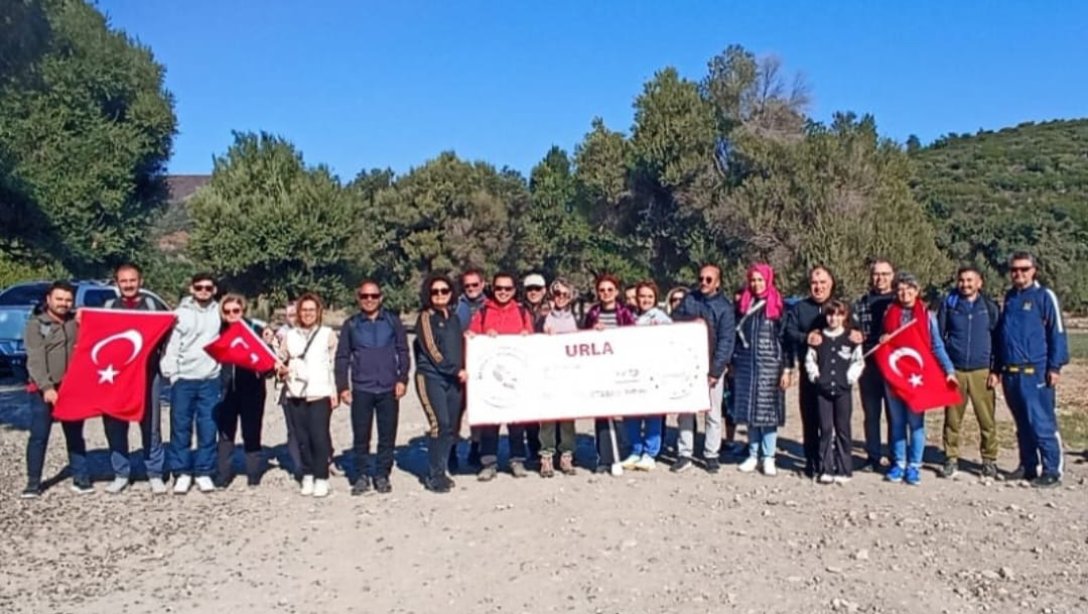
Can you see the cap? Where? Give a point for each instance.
(535, 279)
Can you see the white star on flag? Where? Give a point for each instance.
(107, 374)
(916, 380)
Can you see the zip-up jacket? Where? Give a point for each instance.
(239, 380)
(717, 312)
(508, 319)
(802, 318)
(373, 352)
(967, 328)
(439, 344)
(1030, 331)
(184, 357)
(49, 346)
(467, 307)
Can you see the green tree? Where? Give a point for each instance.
(272, 226)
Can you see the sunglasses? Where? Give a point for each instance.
(707, 280)
(504, 288)
(676, 299)
(535, 288)
(606, 290)
(1020, 269)
(562, 294)
(232, 312)
(203, 287)
(369, 296)
(475, 285)
(440, 291)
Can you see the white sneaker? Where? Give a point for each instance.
(307, 485)
(769, 468)
(842, 479)
(321, 488)
(117, 485)
(205, 484)
(826, 478)
(158, 487)
(182, 484)
(749, 465)
(617, 470)
(646, 463)
(630, 461)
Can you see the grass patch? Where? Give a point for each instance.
(1078, 346)
(1074, 429)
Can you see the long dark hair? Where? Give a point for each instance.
(425, 290)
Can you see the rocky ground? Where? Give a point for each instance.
(648, 542)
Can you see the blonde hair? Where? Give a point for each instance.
(232, 297)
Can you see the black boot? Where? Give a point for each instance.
(254, 468)
(224, 473)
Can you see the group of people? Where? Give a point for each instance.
(758, 347)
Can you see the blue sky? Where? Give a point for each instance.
(373, 84)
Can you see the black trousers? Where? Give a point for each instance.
(811, 426)
(524, 441)
(519, 448)
(366, 408)
(310, 420)
(241, 407)
(441, 400)
(835, 442)
(608, 430)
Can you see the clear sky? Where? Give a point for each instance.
(373, 84)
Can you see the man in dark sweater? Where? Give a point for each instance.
(868, 314)
(372, 366)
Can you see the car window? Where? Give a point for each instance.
(12, 323)
(24, 294)
(159, 305)
(97, 297)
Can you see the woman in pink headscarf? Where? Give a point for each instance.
(758, 361)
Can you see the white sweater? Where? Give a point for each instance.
(310, 376)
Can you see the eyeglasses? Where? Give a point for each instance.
(232, 312)
(605, 290)
(1020, 269)
(535, 288)
(504, 288)
(203, 287)
(707, 280)
(440, 291)
(369, 296)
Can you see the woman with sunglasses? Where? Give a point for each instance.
(560, 320)
(609, 312)
(242, 401)
(440, 376)
(644, 433)
(307, 356)
(758, 362)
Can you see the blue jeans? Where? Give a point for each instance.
(644, 433)
(762, 441)
(150, 434)
(193, 401)
(906, 424)
(41, 423)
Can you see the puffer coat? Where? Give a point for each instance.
(758, 361)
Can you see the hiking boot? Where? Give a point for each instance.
(681, 465)
(517, 469)
(749, 465)
(1047, 481)
(951, 468)
(547, 469)
(487, 473)
(566, 464)
(713, 465)
(361, 486)
(437, 485)
(989, 469)
(382, 484)
(1019, 474)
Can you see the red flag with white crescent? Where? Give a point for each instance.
(108, 373)
(241, 347)
(913, 372)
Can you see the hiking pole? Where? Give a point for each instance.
(889, 338)
(617, 468)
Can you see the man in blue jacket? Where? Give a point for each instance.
(707, 303)
(967, 319)
(1031, 350)
(372, 375)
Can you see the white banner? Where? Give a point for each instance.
(635, 370)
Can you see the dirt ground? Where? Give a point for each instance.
(646, 542)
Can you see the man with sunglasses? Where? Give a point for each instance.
(472, 296)
(1031, 349)
(195, 387)
(372, 367)
(501, 315)
(709, 304)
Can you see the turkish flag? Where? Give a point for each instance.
(912, 371)
(241, 347)
(108, 373)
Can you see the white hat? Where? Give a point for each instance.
(535, 279)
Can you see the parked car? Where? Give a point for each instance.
(88, 294)
(12, 350)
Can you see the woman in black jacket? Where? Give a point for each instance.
(440, 375)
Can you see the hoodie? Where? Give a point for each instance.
(184, 357)
(508, 319)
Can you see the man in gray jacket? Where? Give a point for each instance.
(194, 377)
(50, 338)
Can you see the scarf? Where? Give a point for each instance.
(893, 319)
(770, 294)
